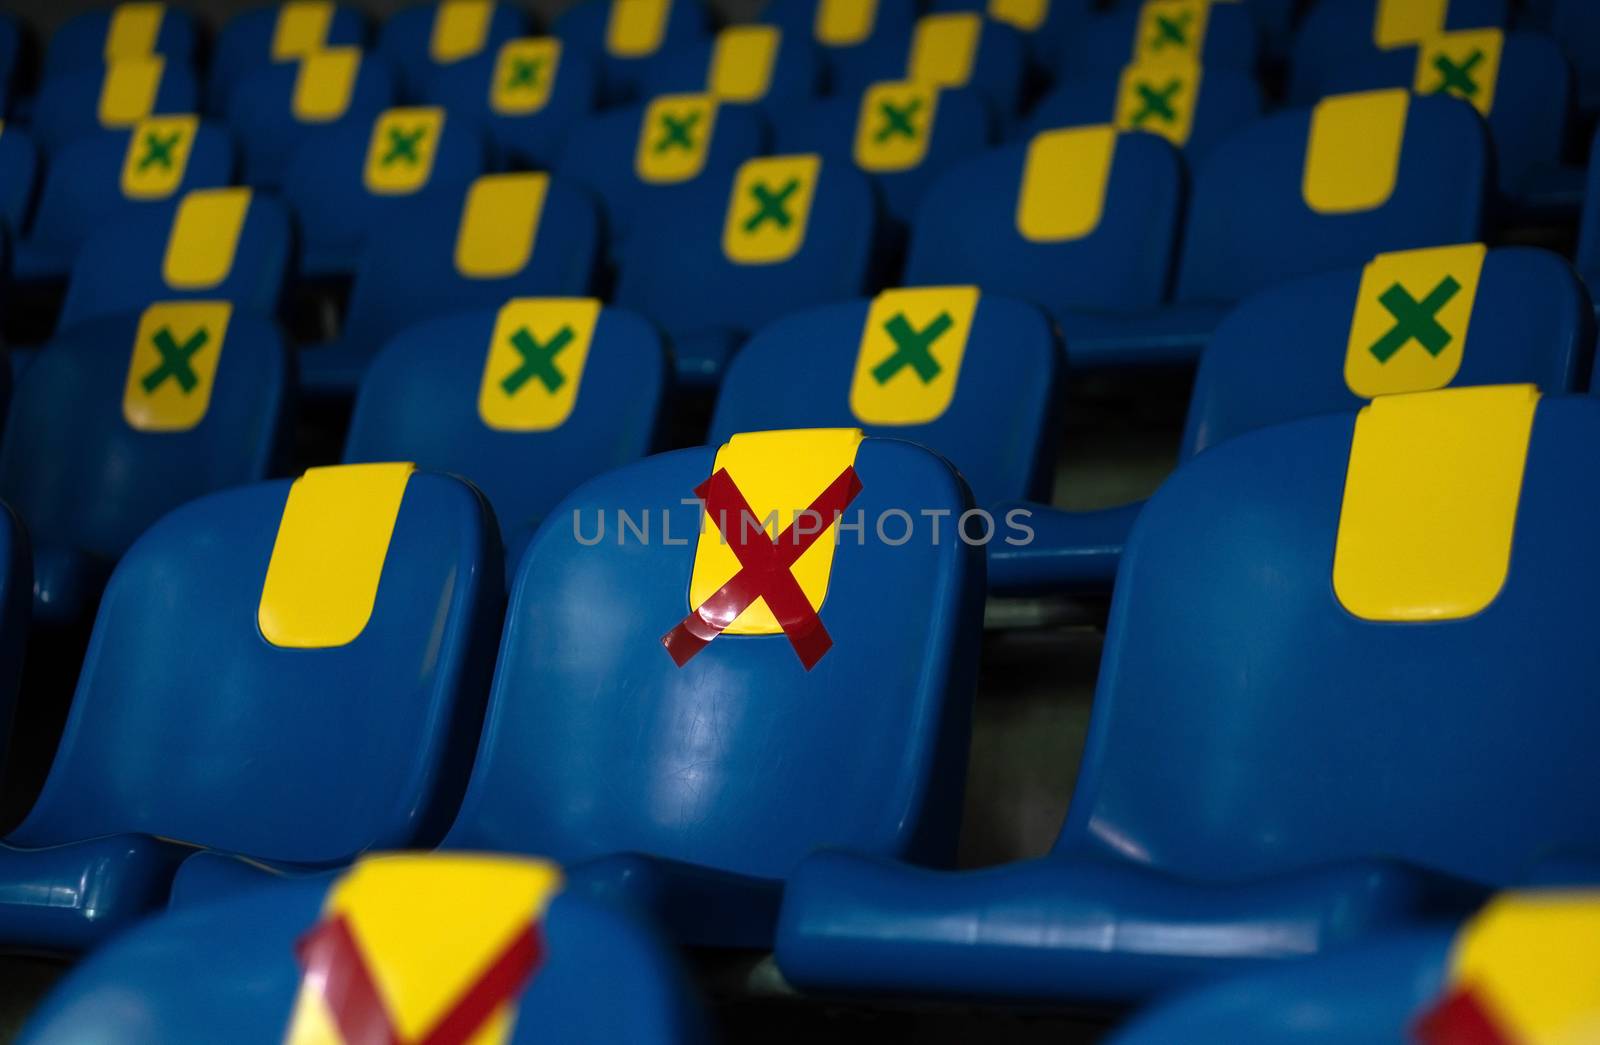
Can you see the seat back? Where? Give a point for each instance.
(420, 40)
(19, 169)
(1217, 34)
(1310, 190)
(1334, 33)
(87, 41)
(624, 37)
(277, 34)
(72, 105)
(951, 49)
(839, 719)
(848, 34)
(760, 65)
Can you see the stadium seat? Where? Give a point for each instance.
(291, 670)
(901, 134)
(1523, 311)
(758, 65)
(1326, 709)
(108, 175)
(528, 401)
(1046, 25)
(528, 96)
(19, 171)
(443, 943)
(733, 254)
(422, 39)
(76, 104)
(624, 36)
(1575, 24)
(505, 236)
(1522, 970)
(122, 419)
(953, 49)
(211, 244)
(1588, 251)
(277, 34)
(1334, 33)
(848, 33)
(348, 181)
(87, 42)
(278, 107)
(1218, 34)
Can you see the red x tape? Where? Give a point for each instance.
(1460, 1019)
(765, 570)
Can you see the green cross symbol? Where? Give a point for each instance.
(897, 120)
(771, 204)
(1172, 30)
(1457, 78)
(159, 149)
(911, 348)
(525, 72)
(403, 146)
(175, 361)
(1155, 102)
(677, 130)
(537, 361)
(1415, 319)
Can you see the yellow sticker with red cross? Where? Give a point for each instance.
(770, 209)
(1408, 332)
(157, 156)
(844, 23)
(401, 150)
(301, 29)
(1171, 29)
(535, 363)
(173, 364)
(674, 138)
(1404, 23)
(1463, 64)
(500, 224)
(423, 947)
(910, 355)
(636, 28)
(944, 48)
(895, 125)
(128, 90)
(742, 62)
(204, 238)
(1159, 98)
(324, 83)
(1025, 15)
(524, 75)
(460, 29)
(133, 30)
(1064, 182)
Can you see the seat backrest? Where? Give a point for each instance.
(839, 719)
(225, 244)
(1308, 190)
(562, 967)
(1402, 588)
(783, 233)
(425, 37)
(277, 34)
(1462, 315)
(72, 105)
(1333, 33)
(625, 36)
(951, 49)
(1217, 35)
(974, 378)
(19, 170)
(287, 670)
(89, 40)
(759, 65)
(527, 401)
(1081, 217)
(849, 34)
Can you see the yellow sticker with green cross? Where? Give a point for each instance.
(535, 363)
(401, 150)
(1409, 329)
(1464, 64)
(895, 125)
(157, 155)
(770, 208)
(524, 75)
(910, 354)
(674, 138)
(1159, 98)
(173, 364)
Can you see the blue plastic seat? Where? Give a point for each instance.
(211, 244)
(758, 65)
(1324, 710)
(528, 96)
(948, 49)
(122, 419)
(1588, 251)
(272, 34)
(346, 182)
(19, 171)
(72, 105)
(1216, 35)
(109, 175)
(623, 38)
(506, 236)
(426, 37)
(85, 42)
(528, 401)
(563, 967)
(1574, 24)
(1046, 25)
(732, 254)
(1334, 33)
(848, 34)
(292, 671)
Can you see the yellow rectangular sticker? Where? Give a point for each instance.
(204, 238)
(400, 153)
(460, 29)
(133, 30)
(742, 61)
(910, 355)
(1064, 179)
(128, 90)
(157, 156)
(1159, 98)
(944, 48)
(895, 125)
(1409, 329)
(324, 84)
(500, 224)
(535, 363)
(524, 75)
(1465, 65)
(636, 28)
(173, 364)
(1026, 15)
(674, 138)
(1171, 29)
(844, 23)
(770, 209)
(1353, 151)
(301, 29)
(1404, 23)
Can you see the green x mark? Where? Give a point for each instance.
(1172, 30)
(1457, 78)
(772, 205)
(537, 361)
(175, 361)
(912, 348)
(1415, 319)
(676, 131)
(158, 149)
(1156, 102)
(403, 146)
(525, 72)
(897, 120)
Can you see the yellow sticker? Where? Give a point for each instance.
(301, 29)
(1026, 15)
(742, 61)
(1171, 30)
(944, 48)
(1409, 329)
(1405, 23)
(128, 90)
(400, 153)
(460, 29)
(173, 364)
(1353, 151)
(324, 84)
(1064, 179)
(844, 23)
(674, 138)
(779, 474)
(910, 354)
(133, 31)
(1465, 65)
(157, 155)
(524, 75)
(322, 579)
(500, 224)
(1430, 502)
(770, 208)
(636, 28)
(895, 125)
(535, 363)
(204, 238)
(1159, 98)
